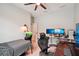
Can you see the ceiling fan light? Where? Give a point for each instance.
(38, 3)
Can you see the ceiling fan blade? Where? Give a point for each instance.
(28, 3)
(35, 8)
(42, 6)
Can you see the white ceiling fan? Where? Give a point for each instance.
(36, 5)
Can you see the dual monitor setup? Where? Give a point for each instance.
(59, 31)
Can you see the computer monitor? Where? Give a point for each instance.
(55, 31)
(50, 31)
(59, 31)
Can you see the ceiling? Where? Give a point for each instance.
(51, 7)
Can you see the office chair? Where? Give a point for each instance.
(43, 43)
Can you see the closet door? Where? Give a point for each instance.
(77, 28)
(77, 35)
(77, 31)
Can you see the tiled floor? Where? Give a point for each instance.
(35, 50)
(59, 51)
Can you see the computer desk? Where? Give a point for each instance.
(62, 45)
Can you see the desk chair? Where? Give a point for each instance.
(43, 43)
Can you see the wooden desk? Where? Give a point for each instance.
(60, 50)
(62, 45)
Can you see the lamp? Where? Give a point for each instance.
(38, 3)
(24, 28)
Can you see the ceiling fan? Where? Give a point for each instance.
(36, 5)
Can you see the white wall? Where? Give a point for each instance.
(77, 13)
(63, 18)
(11, 19)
